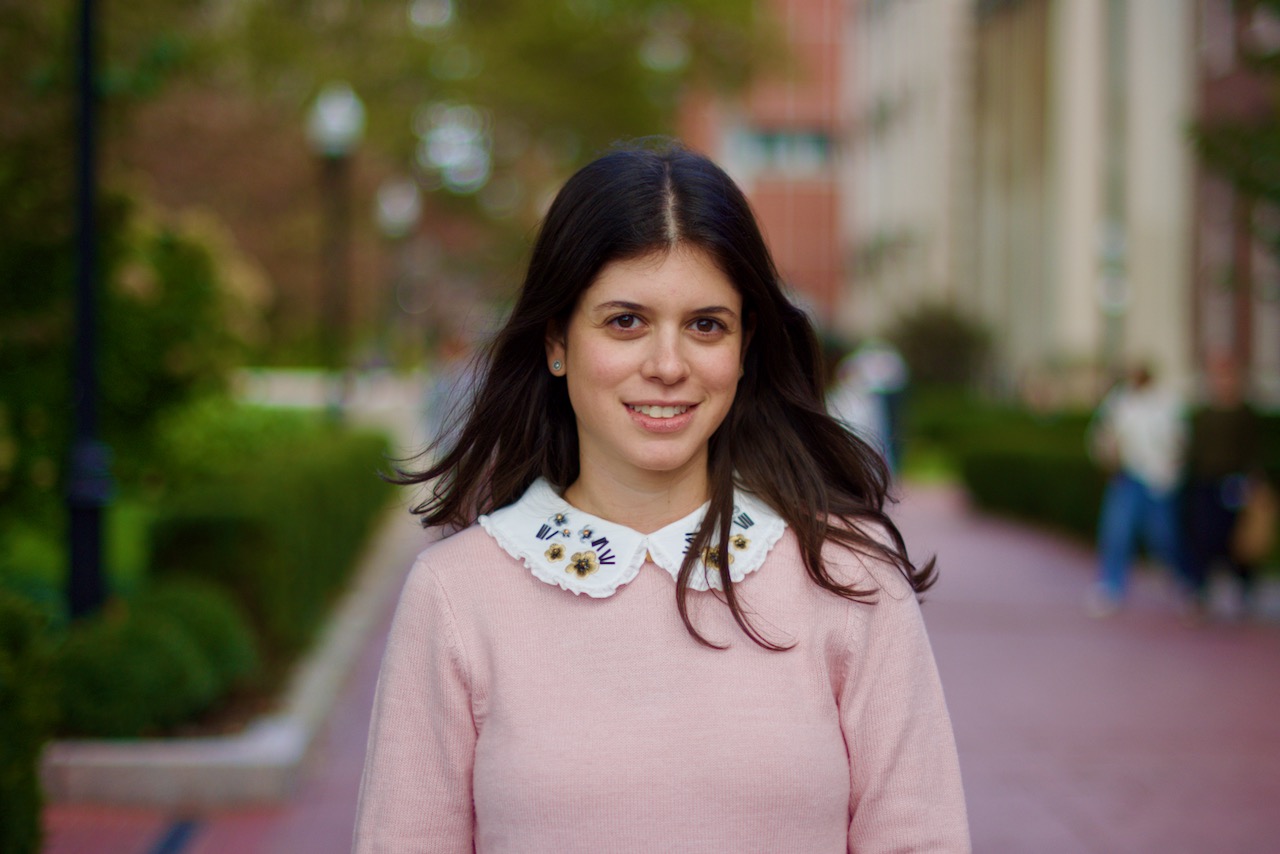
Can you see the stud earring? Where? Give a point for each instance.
(556, 366)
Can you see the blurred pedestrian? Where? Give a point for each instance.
(868, 395)
(1224, 467)
(676, 617)
(853, 401)
(1138, 435)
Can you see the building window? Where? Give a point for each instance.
(788, 153)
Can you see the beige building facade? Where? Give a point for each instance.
(906, 157)
(1028, 162)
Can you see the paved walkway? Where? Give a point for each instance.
(1133, 734)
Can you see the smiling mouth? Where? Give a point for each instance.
(658, 411)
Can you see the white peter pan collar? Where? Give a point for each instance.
(581, 553)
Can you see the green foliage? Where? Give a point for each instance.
(165, 314)
(32, 565)
(559, 78)
(216, 624)
(214, 438)
(154, 661)
(1011, 460)
(129, 673)
(27, 718)
(1243, 146)
(166, 332)
(264, 514)
(1047, 485)
(276, 514)
(940, 345)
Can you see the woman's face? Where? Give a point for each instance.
(652, 355)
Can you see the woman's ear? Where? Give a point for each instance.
(555, 350)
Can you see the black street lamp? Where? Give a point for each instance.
(89, 483)
(334, 128)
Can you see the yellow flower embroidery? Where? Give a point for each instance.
(711, 557)
(740, 541)
(556, 552)
(583, 563)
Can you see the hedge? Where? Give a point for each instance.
(1027, 465)
(130, 673)
(261, 521)
(279, 532)
(28, 716)
(1058, 488)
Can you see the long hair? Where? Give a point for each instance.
(777, 441)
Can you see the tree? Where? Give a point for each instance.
(489, 104)
(1243, 146)
(174, 323)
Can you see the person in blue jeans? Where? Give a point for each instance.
(1138, 434)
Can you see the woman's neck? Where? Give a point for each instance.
(643, 504)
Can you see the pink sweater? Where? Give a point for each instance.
(516, 717)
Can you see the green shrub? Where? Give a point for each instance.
(262, 516)
(129, 673)
(27, 719)
(1047, 485)
(32, 565)
(940, 345)
(215, 438)
(218, 627)
(279, 527)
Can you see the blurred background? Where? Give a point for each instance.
(248, 247)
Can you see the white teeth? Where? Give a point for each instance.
(660, 411)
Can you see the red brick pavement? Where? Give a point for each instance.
(1131, 734)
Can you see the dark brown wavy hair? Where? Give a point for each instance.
(777, 441)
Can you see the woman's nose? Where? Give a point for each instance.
(666, 361)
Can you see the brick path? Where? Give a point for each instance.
(1133, 734)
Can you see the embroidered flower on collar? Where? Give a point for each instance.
(583, 563)
(711, 557)
(535, 529)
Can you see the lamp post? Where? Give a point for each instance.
(334, 129)
(398, 209)
(89, 483)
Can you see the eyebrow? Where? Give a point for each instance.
(635, 306)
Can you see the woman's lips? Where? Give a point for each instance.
(661, 418)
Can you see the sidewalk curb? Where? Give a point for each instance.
(263, 763)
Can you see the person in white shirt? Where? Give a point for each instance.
(1139, 434)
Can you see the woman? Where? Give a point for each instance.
(651, 427)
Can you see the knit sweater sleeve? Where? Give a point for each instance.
(905, 788)
(415, 795)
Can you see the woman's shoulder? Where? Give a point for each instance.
(458, 560)
(865, 566)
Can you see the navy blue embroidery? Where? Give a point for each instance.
(602, 550)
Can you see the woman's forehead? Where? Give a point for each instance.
(686, 275)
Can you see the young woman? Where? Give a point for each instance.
(676, 617)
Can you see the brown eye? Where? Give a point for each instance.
(624, 321)
(707, 325)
